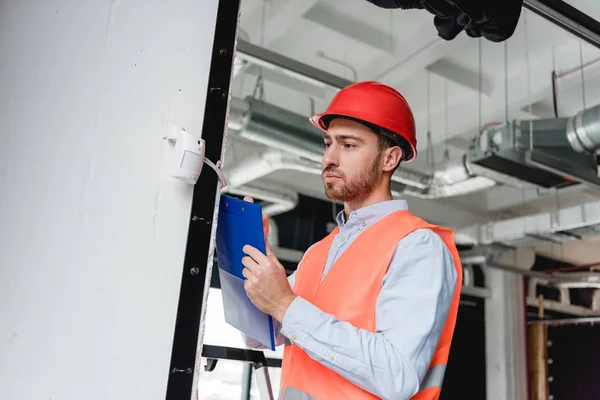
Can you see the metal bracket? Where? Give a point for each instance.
(254, 357)
(211, 364)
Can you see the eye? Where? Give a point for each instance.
(349, 146)
(326, 145)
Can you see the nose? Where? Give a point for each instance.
(330, 157)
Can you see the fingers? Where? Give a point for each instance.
(250, 271)
(247, 273)
(248, 199)
(256, 254)
(249, 263)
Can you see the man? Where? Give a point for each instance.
(371, 310)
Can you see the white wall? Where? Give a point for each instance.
(92, 229)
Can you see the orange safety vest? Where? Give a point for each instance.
(349, 292)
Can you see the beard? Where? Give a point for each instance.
(356, 188)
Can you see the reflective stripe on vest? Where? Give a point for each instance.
(434, 377)
(352, 297)
(292, 393)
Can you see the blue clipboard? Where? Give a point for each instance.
(240, 223)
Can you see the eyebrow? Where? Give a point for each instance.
(344, 137)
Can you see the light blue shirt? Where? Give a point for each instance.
(411, 311)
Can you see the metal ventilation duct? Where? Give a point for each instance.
(583, 130)
(548, 153)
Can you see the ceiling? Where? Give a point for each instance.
(453, 86)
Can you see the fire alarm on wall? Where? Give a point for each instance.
(189, 156)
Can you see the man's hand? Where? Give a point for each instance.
(266, 281)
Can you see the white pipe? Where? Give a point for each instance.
(271, 160)
(281, 200)
(256, 167)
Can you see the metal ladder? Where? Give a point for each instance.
(254, 357)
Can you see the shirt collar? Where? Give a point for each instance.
(369, 215)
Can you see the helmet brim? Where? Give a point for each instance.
(318, 121)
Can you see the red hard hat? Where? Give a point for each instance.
(376, 104)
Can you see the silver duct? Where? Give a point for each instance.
(583, 130)
(545, 153)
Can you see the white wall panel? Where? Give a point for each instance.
(92, 228)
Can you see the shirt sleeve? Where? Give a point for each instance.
(411, 312)
(279, 338)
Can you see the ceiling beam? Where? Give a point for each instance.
(328, 17)
(280, 17)
(413, 55)
(462, 76)
(287, 81)
(270, 60)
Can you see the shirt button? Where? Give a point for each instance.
(342, 239)
(293, 336)
(363, 223)
(331, 358)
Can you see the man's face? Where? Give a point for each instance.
(351, 161)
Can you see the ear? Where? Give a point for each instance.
(392, 157)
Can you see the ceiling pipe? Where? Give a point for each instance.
(279, 200)
(269, 161)
(257, 166)
(293, 134)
